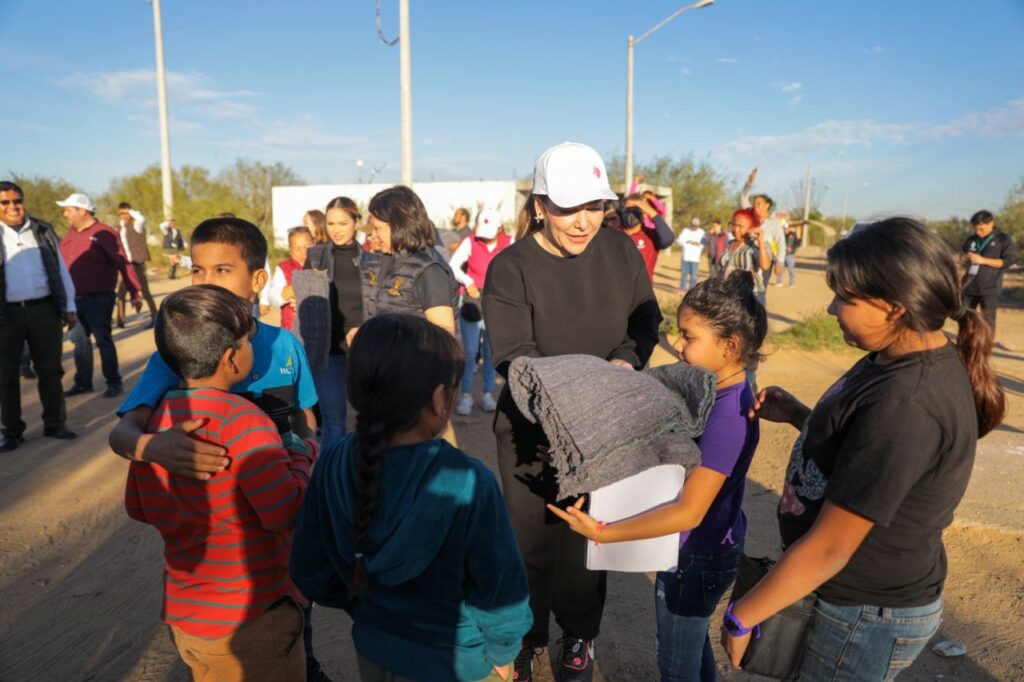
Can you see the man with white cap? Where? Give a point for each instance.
(95, 256)
(565, 287)
(692, 240)
(476, 252)
(36, 302)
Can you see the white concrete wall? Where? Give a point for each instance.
(440, 198)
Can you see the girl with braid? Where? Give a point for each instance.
(405, 532)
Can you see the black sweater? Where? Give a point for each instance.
(598, 303)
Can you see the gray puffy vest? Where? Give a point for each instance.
(393, 290)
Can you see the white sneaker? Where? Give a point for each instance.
(489, 403)
(465, 405)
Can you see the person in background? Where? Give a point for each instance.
(37, 300)
(716, 243)
(692, 240)
(136, 248)
(316, 222)
(174, 244)
(459, 230)
(565, 286)
(794, 240)
(987, 252)
(281, 295)
(476, 252)
(881, 462)
(769, 225)
(746, 251)
(95, 256)
(640, 221)
(338, 258)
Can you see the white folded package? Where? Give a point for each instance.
(623, 499)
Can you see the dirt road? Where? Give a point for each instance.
(80, 582)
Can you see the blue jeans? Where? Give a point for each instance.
(472, 336)
(690, 274)
(94, 312)
(790, 268)
(330, 391)
(684, 602)
(861, 643)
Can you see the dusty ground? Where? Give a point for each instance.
(80, 582)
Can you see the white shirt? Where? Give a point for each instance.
(139, 225)
(691, 250)
(275, 290)
(24, 272)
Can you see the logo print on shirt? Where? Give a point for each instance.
(289, 366)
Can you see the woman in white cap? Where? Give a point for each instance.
(469, 264)
(566, 287)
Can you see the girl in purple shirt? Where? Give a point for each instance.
(722, 326)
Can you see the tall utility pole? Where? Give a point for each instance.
(165, 135)
(843, 224)
(406, 75)
(807, 196)
(630, 46)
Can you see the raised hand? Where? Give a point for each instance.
(578, 520)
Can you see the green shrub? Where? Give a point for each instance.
(818, 331)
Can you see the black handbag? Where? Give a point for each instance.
(470, 311)
(779, 651)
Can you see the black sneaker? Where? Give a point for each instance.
(576, 660)
(522, 667)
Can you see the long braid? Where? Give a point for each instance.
(371, 442)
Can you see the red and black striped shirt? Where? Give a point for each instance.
(226, 540)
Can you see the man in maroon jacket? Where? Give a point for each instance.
(94, 256)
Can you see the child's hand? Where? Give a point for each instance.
(504, 672)
(578, 520)
(777, 405)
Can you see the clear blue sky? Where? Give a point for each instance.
(913, 106)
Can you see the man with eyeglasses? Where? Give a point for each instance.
(37, 299)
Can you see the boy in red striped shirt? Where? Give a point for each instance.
(228, 600)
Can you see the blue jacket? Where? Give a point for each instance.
(447, 596)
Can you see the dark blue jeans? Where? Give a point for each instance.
(94, 313)
(330, 390)
(866, 643)
(684, 602)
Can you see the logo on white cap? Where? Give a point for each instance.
(488, 223)
(78, 200)
(571, 174)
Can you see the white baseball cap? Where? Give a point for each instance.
(78, 200)
(571, 174)
(488, 223)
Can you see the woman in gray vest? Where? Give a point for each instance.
(408, 275)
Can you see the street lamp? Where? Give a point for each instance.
(633, 42)
(165, 135)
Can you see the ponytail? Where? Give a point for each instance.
(371, 442)
(974, 343)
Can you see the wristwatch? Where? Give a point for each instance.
(734, 626)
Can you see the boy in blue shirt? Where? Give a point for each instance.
(228, 252)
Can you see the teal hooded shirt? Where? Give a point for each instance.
(447, 597)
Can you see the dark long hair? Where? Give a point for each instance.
(902, 262)
(730, 307)
(401, 208)
(394, 365)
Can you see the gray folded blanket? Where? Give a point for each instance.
(313, 317)
(606, 423)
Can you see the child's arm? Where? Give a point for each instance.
(684, 514)
(310, 565)
(272, 478)
(497, 595)
(132, 502)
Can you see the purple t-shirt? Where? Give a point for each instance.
(726, 446)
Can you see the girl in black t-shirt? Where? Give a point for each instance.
(882, 460)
